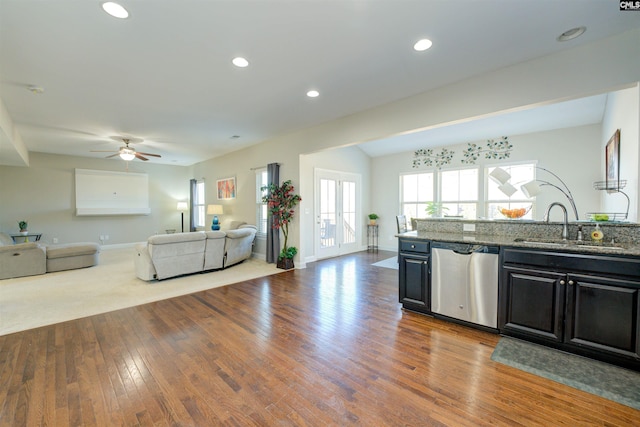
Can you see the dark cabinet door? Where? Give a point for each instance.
(532, 303)
(414, 282)
(603, 315)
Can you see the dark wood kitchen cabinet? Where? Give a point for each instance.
(414, 273)
(588, 305)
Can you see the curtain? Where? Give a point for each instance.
(273, 234)
(192, 198)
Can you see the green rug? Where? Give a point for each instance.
(608, 381)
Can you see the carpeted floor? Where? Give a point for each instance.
(30, 302)
(609, 381)
(388, 263)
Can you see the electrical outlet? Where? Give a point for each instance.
(55, 240)
(101, 237)
(469, 227)
(106, 237)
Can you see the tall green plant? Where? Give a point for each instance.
(281, 202)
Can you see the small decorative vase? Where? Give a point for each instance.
(285, 263)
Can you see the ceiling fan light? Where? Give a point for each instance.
(127, 154)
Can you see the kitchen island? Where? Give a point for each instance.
(577, 296)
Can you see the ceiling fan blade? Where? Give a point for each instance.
(141, 157)
(113, 155)
(149, 154)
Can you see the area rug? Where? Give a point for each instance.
(30, 302)
(388, 263)
(608, 381)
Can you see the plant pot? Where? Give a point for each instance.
(24, 232)
(285, 263)
(372, 222)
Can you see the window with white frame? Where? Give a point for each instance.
(199, 204)
(459, 192)
(497, 199)
(261, 208)
(416, 192)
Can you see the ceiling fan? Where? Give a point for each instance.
(127, 153)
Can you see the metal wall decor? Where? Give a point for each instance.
(500, 149)
(428, 158)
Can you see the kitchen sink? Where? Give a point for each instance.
(566, 243)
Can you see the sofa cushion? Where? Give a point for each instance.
(71, 250)
(231, 225)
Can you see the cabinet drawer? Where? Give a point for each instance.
(414, 246)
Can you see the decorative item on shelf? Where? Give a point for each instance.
(373, 218)
(515, 213)
(498, 150)
(428, 158)
(532, 188)
(215, 210)
(22, 225)
(281, 201)
(182, 207)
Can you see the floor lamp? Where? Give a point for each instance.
(182, 207)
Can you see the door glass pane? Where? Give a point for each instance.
(327, 213)
(349, 212)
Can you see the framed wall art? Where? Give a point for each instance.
(612, 161)
(226, 188)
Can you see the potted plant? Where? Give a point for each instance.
(372, 218)
(280, 202)
(23, 227)
(435, 209)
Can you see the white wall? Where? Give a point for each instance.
(573, 154)
(623, 112)
(44, 194)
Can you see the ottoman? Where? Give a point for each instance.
(71, 256)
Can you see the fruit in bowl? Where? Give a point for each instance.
(514, 213)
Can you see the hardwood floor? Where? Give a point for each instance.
(327, 345)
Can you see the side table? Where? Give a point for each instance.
(372, 238)
(18, 238)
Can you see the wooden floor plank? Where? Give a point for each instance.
(325, 345)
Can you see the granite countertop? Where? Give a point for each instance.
(587, 247)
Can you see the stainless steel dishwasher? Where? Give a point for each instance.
(464, 282)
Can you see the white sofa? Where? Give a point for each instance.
(32, 258)
(170, 255)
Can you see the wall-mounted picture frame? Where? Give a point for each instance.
(612, 162)
(226, 188)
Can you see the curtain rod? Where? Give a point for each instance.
(263, 167)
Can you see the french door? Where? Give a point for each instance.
(337, 213)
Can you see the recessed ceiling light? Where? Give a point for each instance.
(422, 45)
(115, 10)
(571, 34)
(240, 62)
(313, 94)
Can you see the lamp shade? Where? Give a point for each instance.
(507, 189)
(182, 206)
(214, 210)
(499, 176)
(531, 189)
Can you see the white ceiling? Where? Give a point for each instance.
(165, 73)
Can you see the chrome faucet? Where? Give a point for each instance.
(565, 227)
